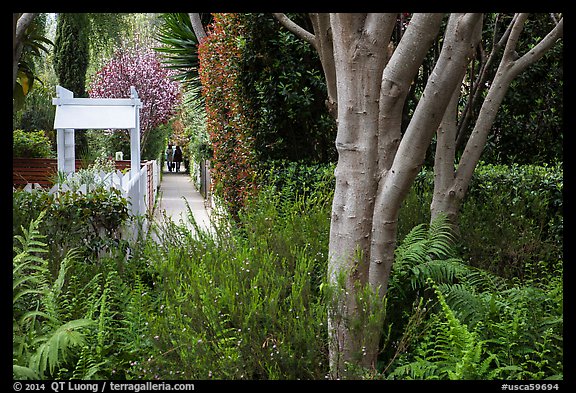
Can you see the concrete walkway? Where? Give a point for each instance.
(175, 189)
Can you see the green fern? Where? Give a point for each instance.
(41, 342)
(425, 253)
(56, 347)
(448, 351)
(87, 367)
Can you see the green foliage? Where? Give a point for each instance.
(71, 52)
(34, 43)
(249, 300)
(264, 101)
(84, 322)
(284, 87)
(529, 126)
(511, 218)
(229, 123)
(244, 303)
(295, 178)
(154, 146)
(90, 222)
(42, 342)
(179, 47)
(31, 144)
(524, 222)
(37, 112)
(482, 327)
(448, 351)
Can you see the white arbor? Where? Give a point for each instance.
(100, 113)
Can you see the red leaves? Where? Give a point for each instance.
(228, 123)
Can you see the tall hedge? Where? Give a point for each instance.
(71, 57)
(286, 92)
(228, 122)
(265, 95)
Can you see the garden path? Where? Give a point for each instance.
(176, 189)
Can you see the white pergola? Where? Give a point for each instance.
(96, 113)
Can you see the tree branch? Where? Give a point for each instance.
(296, 29)
(397, 77)
(324, 47)
(480, 82)
(464, 33)
(20, 28)
(197, 26)
(540, 49)
(510, 67)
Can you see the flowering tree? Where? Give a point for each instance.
(139, 66)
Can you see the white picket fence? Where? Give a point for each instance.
(138, 188)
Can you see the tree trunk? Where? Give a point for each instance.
(375, 170)
(445, 199)
(197, 26)
(20, 23)
(450, 184)
(359, 68)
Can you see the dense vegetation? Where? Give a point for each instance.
(250, 301)
(99, 295)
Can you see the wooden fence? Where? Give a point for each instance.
(43, 171)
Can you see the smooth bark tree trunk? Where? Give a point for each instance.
(451, 184)
(358, 66)
(375, 168)
(20, 23)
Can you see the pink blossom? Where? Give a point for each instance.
(140, 67)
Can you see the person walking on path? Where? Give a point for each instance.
(177, 158)
(169, 157)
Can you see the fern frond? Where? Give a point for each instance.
(483, 280)
(86, 367)
(57, 347)
(440, 271)
(418, 233)
(465, 301)
(424, 243)
(30, 238)
(21, 372)
(440, 238)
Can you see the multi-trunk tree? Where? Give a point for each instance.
(368, 81)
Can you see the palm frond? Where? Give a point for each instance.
(179, 47)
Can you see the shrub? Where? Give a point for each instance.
(90, 222)
(244, 303)
(467, 323)
(296, 177)
(87, 321)
(31, 144)
(285, 92)
(228, 122)
(511, 218)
